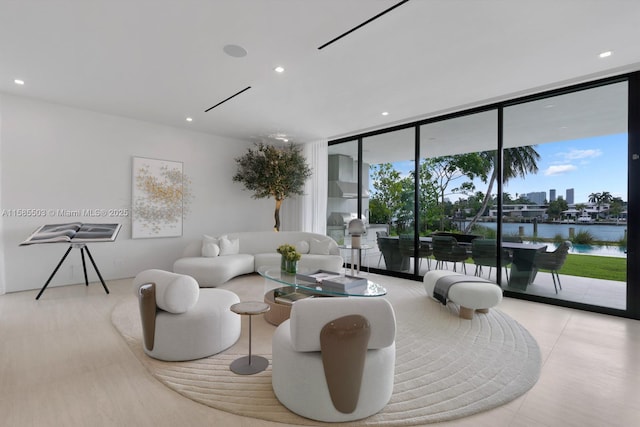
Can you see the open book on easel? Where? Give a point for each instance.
(75, 232)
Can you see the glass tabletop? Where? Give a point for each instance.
(368, 289)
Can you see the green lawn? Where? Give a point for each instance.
(597, 267)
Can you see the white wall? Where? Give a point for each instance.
(56, 157)
(2, 270)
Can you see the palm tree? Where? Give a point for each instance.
(517, 162)
(600, 199)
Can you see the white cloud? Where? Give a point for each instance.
(559, 169)
(581, 154)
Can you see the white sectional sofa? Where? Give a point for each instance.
(214, 260)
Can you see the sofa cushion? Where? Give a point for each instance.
(175, 293)
(210, 247)
(319, 247)
(229, 246)
(302, 246)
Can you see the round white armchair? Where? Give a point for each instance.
(334, 359)
(180, 321)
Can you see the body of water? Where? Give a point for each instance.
(609, 233)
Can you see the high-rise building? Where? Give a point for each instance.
(552, 195)
(537, 197)
(570, 200)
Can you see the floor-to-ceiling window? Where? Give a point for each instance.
(457, 186)
(565, 160)
(388, 166)
(534, 192)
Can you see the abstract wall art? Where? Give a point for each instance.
(160, 198)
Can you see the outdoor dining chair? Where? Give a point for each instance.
(446, 249)
(484, 254)
(407, 249)
(553, 261)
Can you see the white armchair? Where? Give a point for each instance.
(180, 321)
(334, 359)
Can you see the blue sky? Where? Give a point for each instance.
(590, 165)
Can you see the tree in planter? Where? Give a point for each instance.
(270, 171)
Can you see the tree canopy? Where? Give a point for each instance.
(271, 171)
(393, 197)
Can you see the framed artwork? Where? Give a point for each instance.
(159, 194)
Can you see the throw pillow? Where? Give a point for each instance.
(210, 246)
(302, 246)
(320, 247)
(229, 246)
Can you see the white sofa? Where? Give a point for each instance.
(213, 261)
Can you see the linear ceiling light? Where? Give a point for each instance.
(225, 100)
(363, 24)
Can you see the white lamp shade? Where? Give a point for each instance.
(356, 227)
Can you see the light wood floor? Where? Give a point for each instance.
(62, 363)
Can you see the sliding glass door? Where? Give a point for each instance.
(388, 165)
(458, 184)
(566, 178)
(533, 194)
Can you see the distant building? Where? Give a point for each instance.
(552, 195)
(569, 198)
(537, 197)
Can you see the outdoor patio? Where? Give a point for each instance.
(605, 293)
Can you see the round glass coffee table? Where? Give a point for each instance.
(250, 364)
(296, 286)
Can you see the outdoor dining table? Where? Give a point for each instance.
(523, 269)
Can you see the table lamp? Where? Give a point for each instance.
(356, 229)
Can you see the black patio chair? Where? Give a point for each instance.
(446, 249)
(407, 249)
(484, 254)
(553, 261)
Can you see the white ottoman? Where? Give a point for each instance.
(473, 295)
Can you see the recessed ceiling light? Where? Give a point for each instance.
(605, 54)
(189, 119)
(385, 113)
(279, 69)
(18, 82)
(235, 50)
(279, 136)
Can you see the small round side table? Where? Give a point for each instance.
(250, 364)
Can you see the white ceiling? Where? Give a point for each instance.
(162, 60)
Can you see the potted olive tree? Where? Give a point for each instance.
(271, 171)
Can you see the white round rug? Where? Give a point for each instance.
(446, 367)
